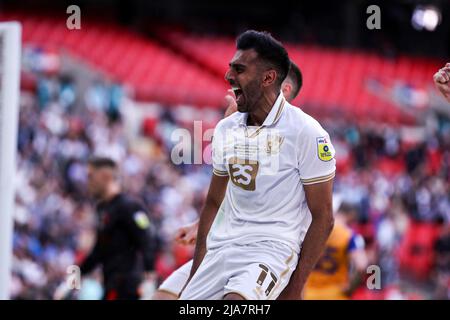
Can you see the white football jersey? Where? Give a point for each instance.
(268, 167)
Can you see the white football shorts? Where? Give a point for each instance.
(256, 271)
(176, 281)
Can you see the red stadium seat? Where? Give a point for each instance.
(333, 79)
(416, 252)
(156, 72)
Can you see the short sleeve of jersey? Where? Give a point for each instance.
(316, 161)
(356, 242)
(218, 151)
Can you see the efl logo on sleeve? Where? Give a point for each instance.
(324, 149)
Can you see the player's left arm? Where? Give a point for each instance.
(317, 167)
(319, 200)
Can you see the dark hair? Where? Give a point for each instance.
(102, 162)
(268, 49)
(295, 75)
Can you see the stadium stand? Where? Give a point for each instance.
(154, 72)
(344, 75)
(416, 252)
(353, 84)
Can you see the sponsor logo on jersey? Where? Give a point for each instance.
(324, 149)
(243, 173)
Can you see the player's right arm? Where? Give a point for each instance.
(214, 199)
(442, 81)
(216, 193)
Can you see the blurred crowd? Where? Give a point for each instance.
(392, 176)
(54, 218)
(399, 180)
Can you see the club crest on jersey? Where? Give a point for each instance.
(324, 149)
(274, 144)
(243, 173)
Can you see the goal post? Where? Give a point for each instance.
(10, 56)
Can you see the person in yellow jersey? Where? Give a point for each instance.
(343, 264)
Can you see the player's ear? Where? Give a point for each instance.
(269, 77)
(287, 89)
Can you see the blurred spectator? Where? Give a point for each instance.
(442, 250)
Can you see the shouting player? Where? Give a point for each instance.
(291, 87)
(187, 235)
(270, 195)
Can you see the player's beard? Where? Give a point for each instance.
(249, 96)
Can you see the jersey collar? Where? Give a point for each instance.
(274, 114)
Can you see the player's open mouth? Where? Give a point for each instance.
(238, 93)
